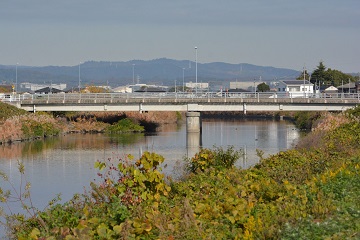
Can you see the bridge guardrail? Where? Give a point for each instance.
(177, 97)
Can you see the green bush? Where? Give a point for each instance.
(7, 111)
(217, 158)
(35, 128)
(305, 120)
(125, 125)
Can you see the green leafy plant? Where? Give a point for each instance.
(217, 158)
(125, 125)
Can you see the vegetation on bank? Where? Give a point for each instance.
(311, 192)
(306, 120)
(125, 125)
(19, 125)
(8, 111)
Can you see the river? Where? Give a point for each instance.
(65, 164)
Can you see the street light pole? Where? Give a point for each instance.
(79, 77)
(183, 79)
(304, 83)
(196, 70)
(175, 86)
(133, 74)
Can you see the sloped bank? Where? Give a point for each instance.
(19, 125)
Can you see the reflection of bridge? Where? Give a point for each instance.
(190, 103)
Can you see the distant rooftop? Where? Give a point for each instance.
(295, 82)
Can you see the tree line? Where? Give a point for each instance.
(321, 76)
(327, 76)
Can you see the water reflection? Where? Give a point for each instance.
(193, 143)
(65, 164)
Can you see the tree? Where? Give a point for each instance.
(301, 76)
(263, 87)
(318, 76)
(323, 76)
(338, 78)
(96, 89)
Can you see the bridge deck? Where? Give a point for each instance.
(184, 102)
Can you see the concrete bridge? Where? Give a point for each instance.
(191, 103)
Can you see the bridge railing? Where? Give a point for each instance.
(175, 96)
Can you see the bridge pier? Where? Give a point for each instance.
(193, 143)
(193, 133)
(193, 122)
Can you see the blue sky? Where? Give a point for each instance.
(279, 33)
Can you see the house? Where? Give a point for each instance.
(48, 90)
(296, 88)
(328, 91)
(199, 85)
(150, 89)
(122, 89)
(352, 87)
(237, 92)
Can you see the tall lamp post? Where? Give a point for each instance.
(183, 79)
(304, 82)
(175, 87)
(196, 70)
(133, 73)
(79, 77)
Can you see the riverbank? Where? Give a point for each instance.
(308, 192)
(19, 125)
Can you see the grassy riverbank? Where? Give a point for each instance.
(311, 192)
(19, 125)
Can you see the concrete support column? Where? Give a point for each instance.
(193, 133)
(193, 122)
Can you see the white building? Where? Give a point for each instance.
(200, 86)
(295, 88)
(123, 89)
(35, 86)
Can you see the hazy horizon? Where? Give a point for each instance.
(283, 34)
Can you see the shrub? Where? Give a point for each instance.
(8, 111)
(217, 158)
(305, 120)
(125, 125)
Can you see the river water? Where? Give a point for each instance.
(65, 164)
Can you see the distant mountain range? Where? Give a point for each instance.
(159, 71)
